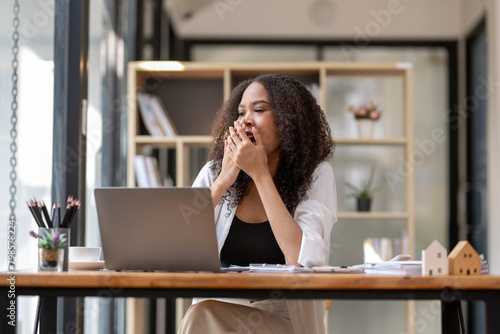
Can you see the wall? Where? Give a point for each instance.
(472, 12)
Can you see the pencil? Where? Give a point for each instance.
(59, 213)
(74, 209)
(66, 216)
(53, 213)
(38, 213)
(46, 214)
(35, 215)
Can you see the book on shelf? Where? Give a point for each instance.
(148, 117)
(153, 173)
(141, 172)
(155, 116)
(147, 172)
(162, 116)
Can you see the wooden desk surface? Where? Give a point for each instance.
(248, 281)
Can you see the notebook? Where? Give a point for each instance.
(168, 229)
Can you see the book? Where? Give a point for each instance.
(148, 116)
(162, 116)
(153, 172)
(146, 172)
(141, 172)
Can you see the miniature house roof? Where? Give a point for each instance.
(460, 248)
(434, 244)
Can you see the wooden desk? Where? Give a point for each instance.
(450, 290)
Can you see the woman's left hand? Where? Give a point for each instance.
(249, 157)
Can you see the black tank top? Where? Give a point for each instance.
(250, 243)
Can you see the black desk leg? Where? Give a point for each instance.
(450, 322)
(48, 315)
(492, 307)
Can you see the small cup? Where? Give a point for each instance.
(84, 254)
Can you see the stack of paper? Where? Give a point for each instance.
(398, 268)
(295, 269)
(264, 267)
(484, 265)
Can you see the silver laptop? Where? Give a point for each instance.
(152, 229)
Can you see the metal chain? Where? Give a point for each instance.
(13, 118)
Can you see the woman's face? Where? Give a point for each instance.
(255, 111)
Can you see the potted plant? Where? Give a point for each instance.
(51, 244)
(365, 193)
(365, 114)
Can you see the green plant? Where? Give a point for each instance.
(52, 240)
(366, 191)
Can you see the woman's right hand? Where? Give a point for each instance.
(229, 171)
(227, 177)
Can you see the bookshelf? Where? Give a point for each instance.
(193, 92)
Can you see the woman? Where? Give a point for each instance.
(274, 198)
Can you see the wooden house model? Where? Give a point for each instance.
(434, 259)
(464, 260)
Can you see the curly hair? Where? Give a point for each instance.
(305, 138)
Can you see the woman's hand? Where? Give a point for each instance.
(229, 171)
(249, 157)
(228, 174)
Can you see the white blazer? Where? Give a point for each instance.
(316, 216)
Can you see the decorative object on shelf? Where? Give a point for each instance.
(52, 248)
(365, 128)
(365, 115)
(364, 194)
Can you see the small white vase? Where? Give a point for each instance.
(365, 128)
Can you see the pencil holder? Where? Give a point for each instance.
(53, 249)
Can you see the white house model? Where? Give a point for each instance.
(464, 260)
(434, 260)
